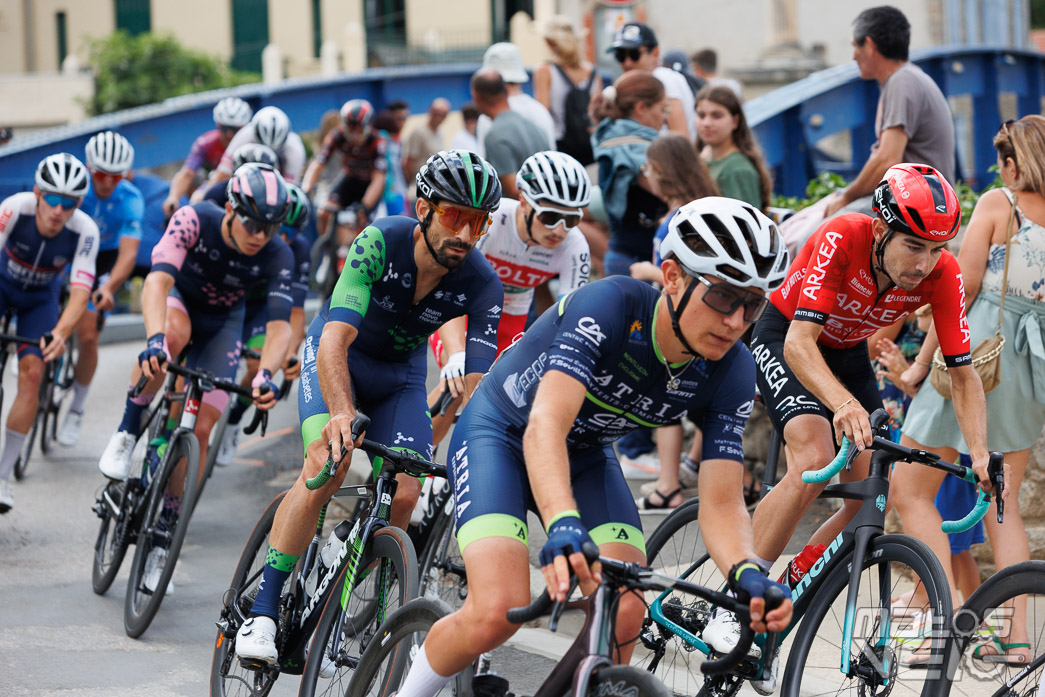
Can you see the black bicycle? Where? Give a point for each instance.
(328, 615)
(852, 636)
(586, 669)
(7, 341)
(153, 506)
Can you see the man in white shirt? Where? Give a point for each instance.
(506, 60)
(635, 48)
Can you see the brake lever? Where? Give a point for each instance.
(996, 472)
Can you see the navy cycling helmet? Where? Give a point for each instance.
(258, 193)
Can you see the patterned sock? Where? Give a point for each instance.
(79, 397)
(276, 572)
(132, 414)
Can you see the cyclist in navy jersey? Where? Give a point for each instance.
(256, 317)
(42, 232)
(402, 280)
(117, 208)
(537, 435)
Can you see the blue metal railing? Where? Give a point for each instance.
(791, 123)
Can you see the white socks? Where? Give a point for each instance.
(422, 681)
(12, 449)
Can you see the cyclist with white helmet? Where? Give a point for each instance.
(195, 296)
(41, 233)
(270, 127)
(230, 115)
(538, 432)
(363, 164)
(117, 208)
(531, 240)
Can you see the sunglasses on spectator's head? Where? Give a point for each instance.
(726, 298)
(60, 201)
(1005, 129)
(622, 54)
(254, 227)
(454, 219)
(550, 217)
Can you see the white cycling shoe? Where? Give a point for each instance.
(723, 633)
(154, 564)
(768, 686)
(72, 429)
(256, 641)
(116, 458)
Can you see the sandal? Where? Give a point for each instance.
(1000, 652)
(646, 504)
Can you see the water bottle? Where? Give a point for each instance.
(157, 448)
(797, 567)
(327, 556)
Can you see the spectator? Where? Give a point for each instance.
(1016, 409)
(729, 147)
(635, 48)
(677, 61)
(465, 138)
(5, 135)
(389, 125)
(705, 65)
(512, 137)
(425, 140)
(564, 86)
(507, 61)
(913, 120)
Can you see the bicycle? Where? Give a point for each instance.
(54, 386)
(326, 256)
(587, 668)
(865, 655)
(140, 510)
(6, 341)
(327, 615)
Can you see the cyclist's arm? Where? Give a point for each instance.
(155, 290)
(891, 146)
(374, 191)
(180, 184)
(273, 354)
(308, 182)
(484, 315)
(453, 334)
(297, 331)
(335, 384)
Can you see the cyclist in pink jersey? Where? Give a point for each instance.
(230, 115)
(530, 240)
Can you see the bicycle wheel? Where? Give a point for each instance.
(227, 676)
(624, 681)
(162, 530)
(114, 535)
(390, 580)
(48, 409)
(893, 564)
(386, 660)
(673, 549)
(988, 617)
(442, 565)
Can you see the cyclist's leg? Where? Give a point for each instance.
(253, 337)
(347, 191)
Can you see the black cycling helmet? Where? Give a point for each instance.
(460, 177)
(257, 192)
(299, 210)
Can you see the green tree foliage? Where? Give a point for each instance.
(131, 71)
(1037, 14)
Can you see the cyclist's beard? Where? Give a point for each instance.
(452, 261)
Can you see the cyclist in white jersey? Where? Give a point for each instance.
(530, 240)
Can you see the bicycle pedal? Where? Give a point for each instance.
(490, 685)
(254, 664)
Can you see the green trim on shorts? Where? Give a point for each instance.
(256, 342)
(492, 525)
(312, 428)
(280, 561)
(618, 532)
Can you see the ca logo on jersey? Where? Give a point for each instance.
(589, 328)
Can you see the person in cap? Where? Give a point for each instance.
(506, 59)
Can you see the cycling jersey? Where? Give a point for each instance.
(291, 155)
(358, 160)
(210, 275)
(118, 216)
(522, 267)
(29, 261)
(257, 311)
(206, 151)
(832, 283)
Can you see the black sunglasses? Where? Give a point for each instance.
(254, 227)
(1005, 129)
(726, 298)
(621, 54)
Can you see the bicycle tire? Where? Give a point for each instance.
(442, 566)
(385, 661)
(226, 674)
(112, 542)
(624, 681)
(140, 606)
(392, 549)
(831, 596)
(48, 410)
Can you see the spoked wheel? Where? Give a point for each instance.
(884, 654)
(160, 537)
(114, 533)
(227, 677)
(442, 566)
(386, 660)
(50, 402)
(388, 571)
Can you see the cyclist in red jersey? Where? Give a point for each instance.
(855, 275)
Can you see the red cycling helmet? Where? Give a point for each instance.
(356, 114)
(917, 200)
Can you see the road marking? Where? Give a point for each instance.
(268, 436)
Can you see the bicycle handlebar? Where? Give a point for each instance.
(399, 460)
(15, 339)
(995, 470)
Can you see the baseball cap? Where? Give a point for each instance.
(633, 35)
(506, 60)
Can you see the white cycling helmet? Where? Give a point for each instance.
(271, 126)
(63, 174)
(232, 111)
(555, 178)
(110, 152)
(729, 239)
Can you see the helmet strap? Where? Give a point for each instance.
(424, 225)
(675, 314)
(232, 240)
(529, 225)
(879, 255)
